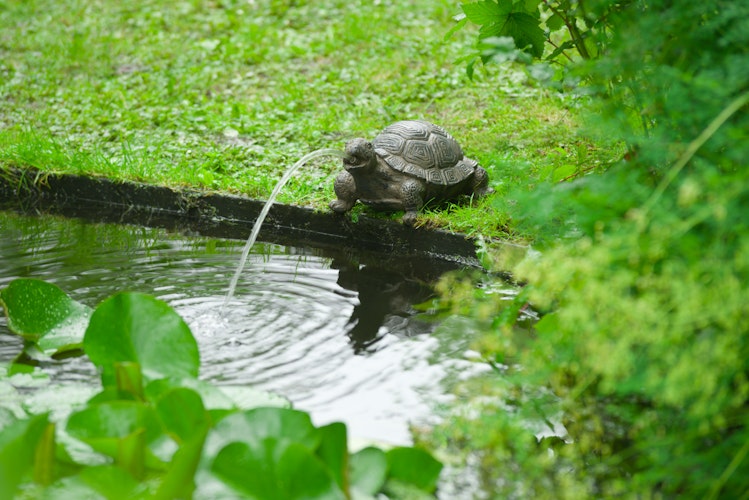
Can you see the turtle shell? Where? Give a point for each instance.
(423, 150)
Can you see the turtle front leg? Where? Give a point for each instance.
(345, 189)
(412, 194)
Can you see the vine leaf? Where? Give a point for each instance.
(499, 19)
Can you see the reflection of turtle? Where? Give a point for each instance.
(410, 162)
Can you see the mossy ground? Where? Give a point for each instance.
(225, 95)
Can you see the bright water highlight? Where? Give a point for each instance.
(266, 208)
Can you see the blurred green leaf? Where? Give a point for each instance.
(103, 481)
(182, 413)
(333, 452)
(275, 469)
(139, 328)
(486, 11)
(19, 446)
(120, 429)
(554, 22)
(369, 468)
(414, 466)
(256, 425)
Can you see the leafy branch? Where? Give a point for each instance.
(531, 25)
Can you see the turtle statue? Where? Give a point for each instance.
(409, 163)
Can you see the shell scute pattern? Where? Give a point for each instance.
(423, 150)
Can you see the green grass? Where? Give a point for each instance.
(225, 95)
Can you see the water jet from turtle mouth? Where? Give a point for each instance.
(264, 213)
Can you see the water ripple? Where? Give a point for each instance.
(337, 338)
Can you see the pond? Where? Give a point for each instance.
(338, 336)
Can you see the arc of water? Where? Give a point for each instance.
(264, 213)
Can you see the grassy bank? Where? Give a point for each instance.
(225, 95)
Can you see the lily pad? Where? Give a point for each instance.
(41, 312)
(219, 397)
(369, 469)
(277, 469)
(135, 327)
(255, 426)
(124, 430)
(414, 467)
(19, 444)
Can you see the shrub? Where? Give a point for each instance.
(642, 353)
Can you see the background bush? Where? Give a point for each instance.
(641, 354)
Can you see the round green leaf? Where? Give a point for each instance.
(106, 427)
(275, 470)
(140, 328)
(18, 442)
(415, 467)
(41, 312)
(333, 451)
(255, 426)
(182, 412)
(368, 470)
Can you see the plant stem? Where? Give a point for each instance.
(694, 146)
(577, 37)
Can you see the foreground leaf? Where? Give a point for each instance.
(414, 467)
(121, 430)
(107, 481)
(369, 468)
(19, 445)
(333, 451)
(275, 470)
(142, 329)
(255, 426)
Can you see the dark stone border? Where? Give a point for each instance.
(225, 216)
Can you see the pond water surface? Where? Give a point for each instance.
(339, 338)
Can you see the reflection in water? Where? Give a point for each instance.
(338, 337)
(385, 303)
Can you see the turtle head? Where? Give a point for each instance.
(360, 156)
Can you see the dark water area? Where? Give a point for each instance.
(337, 335)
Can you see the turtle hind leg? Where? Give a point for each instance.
(345, 191)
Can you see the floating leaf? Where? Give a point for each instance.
(245, 398)
(333, 451)
(140, 328)
(414, 467)
(225, 397)
(182, 412)
(255, 426)
(276, 469)
(119, 429)
(41, 312)
(368, 470)
(18, 448)
(107, 481)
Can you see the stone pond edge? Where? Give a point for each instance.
(222, 215)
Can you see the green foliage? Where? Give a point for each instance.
(225, 96)
(151, 328)
(22, 451)
(166, 435)
(50, 318)
(637, 372)
(556, 31)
